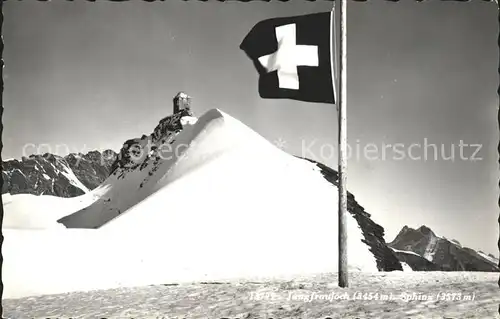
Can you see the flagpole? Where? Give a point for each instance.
(342, 165)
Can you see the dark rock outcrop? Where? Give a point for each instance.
(449, 255)
(373, 233)
(136, 152)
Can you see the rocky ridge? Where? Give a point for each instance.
(138, 153)
(423, 250)
(373, 232)
(49, 174)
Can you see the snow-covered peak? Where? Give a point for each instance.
(211, 189)
(178, 145)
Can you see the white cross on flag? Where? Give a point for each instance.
(293, 58)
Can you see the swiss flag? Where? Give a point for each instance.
(293, 57)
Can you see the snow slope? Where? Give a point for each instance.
(489, 258)
(406, 251)
(73, 179)
(229, 205)
(27, 211)
(406, 267)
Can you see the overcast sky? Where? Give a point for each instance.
(91, 75)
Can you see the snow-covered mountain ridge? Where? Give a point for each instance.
(50, 174)
(208, 194)
(189, 202)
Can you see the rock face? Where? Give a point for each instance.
(373, 232)
(416, 262)
(141, 152)
(182, 101)
(443, 254)
(49, 174)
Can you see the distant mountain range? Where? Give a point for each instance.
(423, 250)
(49, 174)
(77, 174)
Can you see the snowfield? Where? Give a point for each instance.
(393, 295)
(230, 206)
(27, 211)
